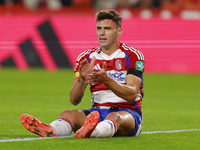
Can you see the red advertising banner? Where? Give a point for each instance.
(54, 41)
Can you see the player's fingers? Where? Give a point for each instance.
(93, 61)
(91, 75)
(104, 65)
(89, 80)
(83, 62)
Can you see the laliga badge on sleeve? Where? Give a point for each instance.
(139, 66)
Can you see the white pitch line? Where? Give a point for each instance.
(172, 131)
(43, 138)
(31, 139)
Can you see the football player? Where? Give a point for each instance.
(114, 72)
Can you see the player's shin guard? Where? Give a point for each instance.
(106, 128)
(63, 126)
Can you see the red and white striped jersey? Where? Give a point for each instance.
(118, 63)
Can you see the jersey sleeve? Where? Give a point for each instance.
(135, 63)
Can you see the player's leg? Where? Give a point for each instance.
(74, 118)
(107, 127)
(62, 126)
(120, 123)
(125, 122)
(70, 120)
(115, 124)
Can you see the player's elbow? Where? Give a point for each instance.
(75, 97)
(74, 101)
(131, 97)
(132, 94)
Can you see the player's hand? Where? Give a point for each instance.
(86, 68)
(97, 77)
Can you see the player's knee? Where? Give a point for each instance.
(73, 114)
(64, 113)
(115, 116)
(67, 113)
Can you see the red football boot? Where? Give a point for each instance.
(90, 123)
(34, 125)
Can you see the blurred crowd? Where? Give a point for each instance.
(145, 8)
(102, 4)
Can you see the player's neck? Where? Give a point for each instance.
(110, 50)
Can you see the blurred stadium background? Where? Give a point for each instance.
(51, 33)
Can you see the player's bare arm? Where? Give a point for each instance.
(128, 91)
(80, 84)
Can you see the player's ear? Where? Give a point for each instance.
(120, 31)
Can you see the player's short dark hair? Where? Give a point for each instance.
(109, 14)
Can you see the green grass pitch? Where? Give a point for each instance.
(171, 102)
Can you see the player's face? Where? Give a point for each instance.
(108, 33)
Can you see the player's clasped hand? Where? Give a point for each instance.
(97, 77)
(86, 68)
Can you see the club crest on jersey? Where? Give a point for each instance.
(118, 64)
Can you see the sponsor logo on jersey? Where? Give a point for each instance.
(139, 65)
(117, 76)
(118, 64)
